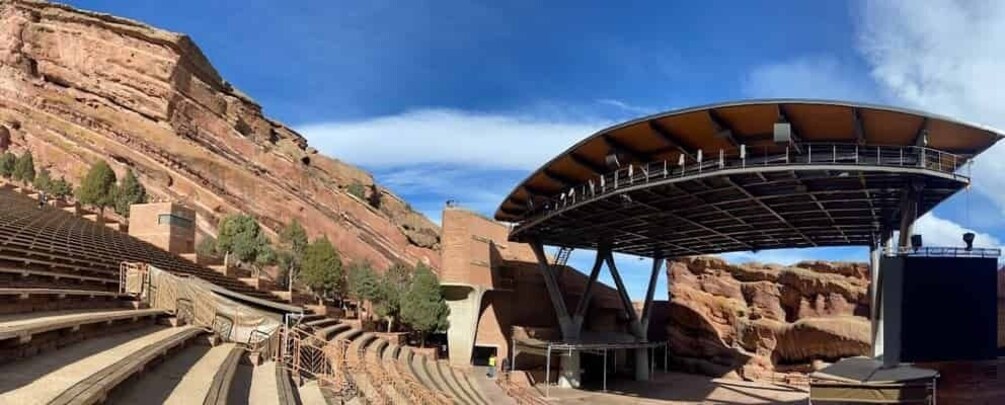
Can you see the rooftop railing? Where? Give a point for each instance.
(740, 158)
(933, 251)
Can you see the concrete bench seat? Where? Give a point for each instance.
(27, 300)
(96, 387)
(224, 376)
(57, 275)
(329, 332)
(24, 329)
(87, 371)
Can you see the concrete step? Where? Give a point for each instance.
(487, 388)
(476, 392)
(310, 394)
(264, 387)
(328, 332)
(459, 390)
(28, 334)
(88, 371)
(183, 379)
(438, 381)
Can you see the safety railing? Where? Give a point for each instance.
(744, 157)
(934, 251)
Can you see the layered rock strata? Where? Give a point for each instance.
(78, 86)
(756, 321)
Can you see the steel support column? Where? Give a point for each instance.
(626, 302)
(909, 206)
(584, 301)
(647, 306)
(554, 292)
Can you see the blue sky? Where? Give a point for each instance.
(462, 99)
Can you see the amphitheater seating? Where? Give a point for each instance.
(50, 248)
(387, 373)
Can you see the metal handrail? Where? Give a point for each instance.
(738, 158)
(936, 251)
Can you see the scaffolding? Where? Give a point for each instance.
(601, 349)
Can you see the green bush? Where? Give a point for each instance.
(357, 189)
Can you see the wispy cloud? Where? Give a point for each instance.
(452, 137)
(945, 57)
(819, 76)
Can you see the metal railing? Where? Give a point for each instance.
(932, 251)
(740, 158)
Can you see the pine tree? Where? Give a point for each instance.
(7, 161)
(241, 237)
(423, 307)
(364, 286)
(98, 186)
(393, 287)
(24, 168)
(293, 238)
(43, 182)
(322, 267)
(129, 192)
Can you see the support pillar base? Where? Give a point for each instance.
(571, 374)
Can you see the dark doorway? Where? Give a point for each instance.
(481, 355)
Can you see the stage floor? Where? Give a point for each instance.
(681, 388)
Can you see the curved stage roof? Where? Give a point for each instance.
(713, 179)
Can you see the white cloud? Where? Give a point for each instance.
(793, 256)
(821, 77)
(944, 233)
(947, 57)
(442, 136)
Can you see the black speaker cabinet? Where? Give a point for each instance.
(939, 308)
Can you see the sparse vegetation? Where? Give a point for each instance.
(357, 189)
(43, 181)
(24, 168)
(207, 247)
(7, 161)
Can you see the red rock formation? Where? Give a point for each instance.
(77, 86)
(754, 320)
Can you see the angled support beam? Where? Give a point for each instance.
(670, 139)
(633, 318)
(770, 210)
(618, 146)
(721, 128)
(584, 301)
(859, 129)
(583, 161)
(647, 307)
(554, 291)
(559, 178)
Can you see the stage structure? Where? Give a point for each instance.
(742, 176)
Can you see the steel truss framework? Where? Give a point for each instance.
(752, 208)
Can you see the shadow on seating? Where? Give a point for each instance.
(19, 373)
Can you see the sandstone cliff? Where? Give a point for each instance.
(755, 320)
(78, 86)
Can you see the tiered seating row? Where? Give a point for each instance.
(39, 243)
(388, 373)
